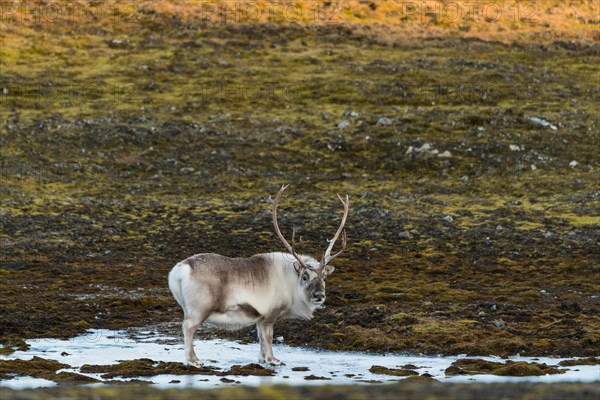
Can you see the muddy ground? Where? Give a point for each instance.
(472, 169)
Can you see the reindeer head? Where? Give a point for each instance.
(312, 273)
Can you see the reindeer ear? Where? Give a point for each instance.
(328, 270)
(298, 268)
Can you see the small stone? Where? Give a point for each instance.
(404, 234)
(445, 154)
(448, 218)
(493, 307)
(186, 170)
(573, 164)
(543, 122)
(279, 339)
(533, 167)
(384, 121)
(343, 125)
(425, 147)
(543, 293)
(499, 324)
(549, 235)
(463, 178)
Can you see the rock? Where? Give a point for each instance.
(448, 218)
(445, 154)
(343, 125)
(573, 164)
(463, 178)
(425, 147)
(499, 324)
(404, 234)
(384, 121)
(549, 235)
(279, 339)
(514, 147)
(186, 170)
(543, 122)
(543, 293)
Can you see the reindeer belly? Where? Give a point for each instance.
(235, 317)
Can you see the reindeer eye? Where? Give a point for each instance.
(304, 278)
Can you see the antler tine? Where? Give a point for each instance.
(290, 248)
(327, 257)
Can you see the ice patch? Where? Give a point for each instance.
(109, 347)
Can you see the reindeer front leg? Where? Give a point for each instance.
(265, 336)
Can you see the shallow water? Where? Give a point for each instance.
(109, 347)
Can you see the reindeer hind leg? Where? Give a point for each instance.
(191, 322)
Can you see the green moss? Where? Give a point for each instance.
(377, 369)
(510, 368)
(10, 344)
(316, 378)
(300, 369)
(98, 187)
(41, 368)
(580, 361)
(146, 367)
(250, 369)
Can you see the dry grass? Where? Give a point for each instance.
(536, 21)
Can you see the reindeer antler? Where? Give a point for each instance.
(290, 248)
(327, 257)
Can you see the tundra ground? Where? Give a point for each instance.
(472, 169)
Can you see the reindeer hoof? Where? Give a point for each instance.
(270, 361)
(195, 363)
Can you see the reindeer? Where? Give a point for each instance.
(262, 289)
